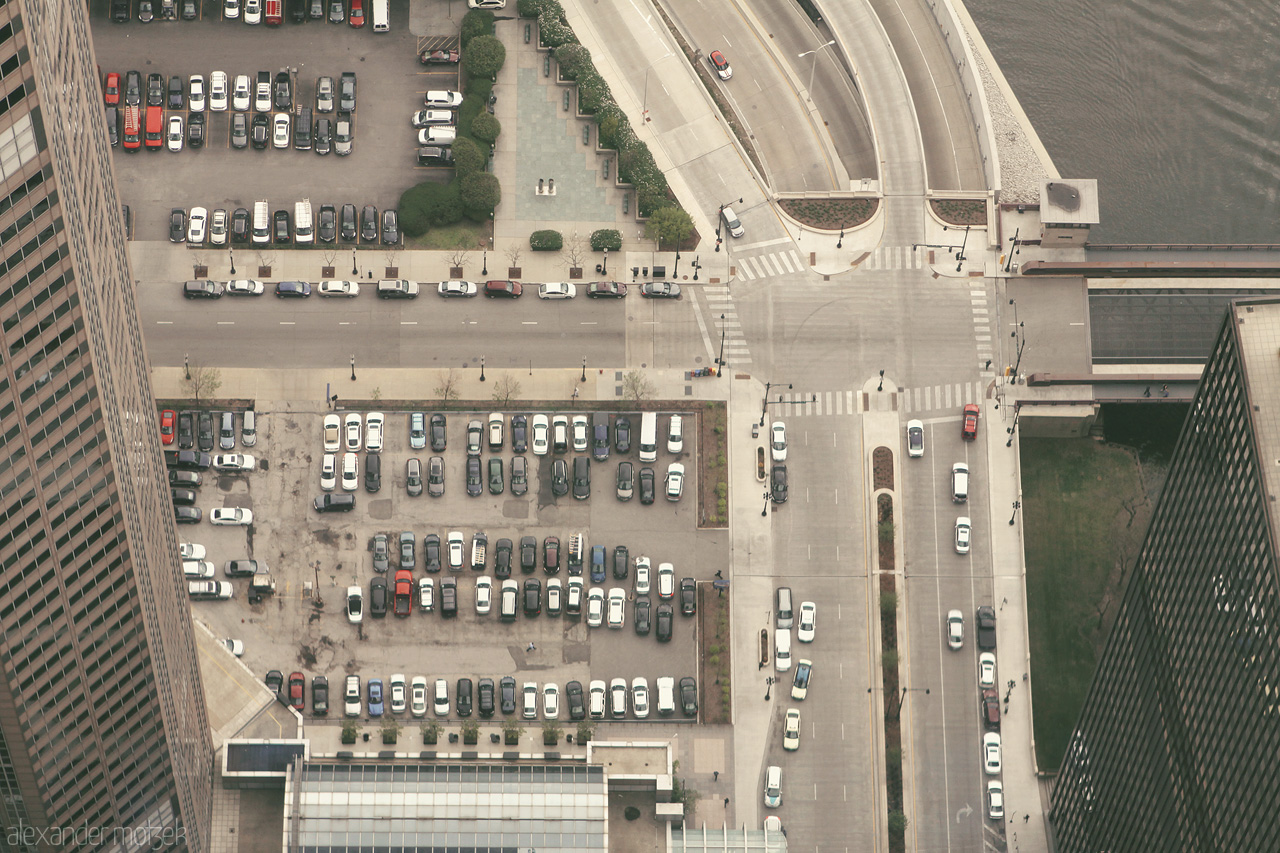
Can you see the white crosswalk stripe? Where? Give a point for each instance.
(894, 258)
(720, 302)
(940, 398)
(768, 264)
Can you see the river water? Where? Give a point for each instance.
(1173, 105)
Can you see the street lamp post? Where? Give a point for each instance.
(353, 368)
(1016, 506)
(186, 366)
(675, 272)
(720, 360)
(584, 370)
(764, 408)
(1010, 429)
(481, 368)
(880, 387)
(764, 513)
(896, 710)
(768, 686)
(696, 266)
(1019, 334)
(840, 240)
(960, 257)
(355, 271)
(815, 64)
(604, 269)
(1013, 248)
(484, 264)
(232, 252)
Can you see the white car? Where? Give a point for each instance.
(955, 629)
(426, 118)
(332, 433)
(991, 753)
(484, 595)
(580, 433)
(675, 436)
(245, 286)
(440, 134)
(915, 438)
(808, 622)
(355, 604)
(418, 696)
(791, 730)
(675, 481)
(339, 288)
(550, 701)
(191, 551)
(280, 130)
(253, 12)
(352, 429)
(234, 462)
(963, 531)
(640, 697)
(174, 138)
(328, 472)
(595, 607)
(399, 699)
(666, 580)
(778, 441)
(218, 91)
(555, 597)
(618, 698)
(642, 575)
(352, 698)
(449, 289)
(495, 431)
(219, 228)
(196, 223)
(350, 472)
(240, 94)
(441, 704)
(986, 670)
(373, 432)
(443, 98)
(456, 544)
(196, 96)
(617, 607)
(539, 435)
(557, 290)
(529, 700)
(236, 647)
(995, 800)
(198, 570)
(231, 9)
(573, 595)
(231, 516)
(426, 594)
(596, 701)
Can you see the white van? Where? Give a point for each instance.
(649, 437)
(303, 232)
(381, 16)
(731, 223)
(666, 696)
(675, 435)
(261, 222)
(773, 786)
(959, 483)
(782, 649)
(785, 614)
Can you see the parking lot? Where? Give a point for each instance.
(390, 87)
(288, 632)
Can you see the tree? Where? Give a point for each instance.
(350, 731)
(513, 253)
(470, 732)
(573, 59)
(636, 386)
(390, 730)
(431, 732)
(585, 731)
(467, 159)
(670, 225)
(459, 257)
(551, 733)
(204, 381)
(505, 388)
(481, 193)
(484, 56)
(477, 22)
(429, 204)
(448, 387)
(511, 732)
(574, 251)
(486, 128)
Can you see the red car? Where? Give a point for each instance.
(437, 57)
(969, 427)
(720, 64)
(404, 592)
(356, 18)
(111, 94)
(167, 417)
(503, 289)
(297, 687)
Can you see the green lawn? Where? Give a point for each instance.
(466, 235)
(1086, 512)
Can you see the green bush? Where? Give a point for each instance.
(573, 59)
(593, 92)
(553, 31)
(546, 241)
(485, 128)
(471, 107)
(477, 22)
(534, 8)
(480, 193)
(467, 157)
(479, 88)
(484, 57)
(606, 238)
(429, 204)
(897, 823)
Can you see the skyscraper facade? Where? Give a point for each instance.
(104, 736)
(1177, 742)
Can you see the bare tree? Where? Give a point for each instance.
(459, 257)
(330, 256)
(393, 254)
(636, 386)
(204, 381)
(575, 251)
(505, 388)
(513, 253)
(197, 259)
(448, 387)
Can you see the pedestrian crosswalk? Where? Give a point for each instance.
(893, 258)
(930, 398)
(719, 302)
(764, 265)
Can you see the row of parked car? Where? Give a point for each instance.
(416, 696)
(284, 226)
(251, 12)
(197, 430)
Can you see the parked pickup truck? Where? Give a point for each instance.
(986, 627)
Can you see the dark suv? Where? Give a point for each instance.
(507, 692)
(327, 226)
(177, 98)
(202, 289)
(283, 92)
(369, 224)
(348, 228)
(155, 90)
(484, 691)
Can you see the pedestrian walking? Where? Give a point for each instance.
(531, 648)
(1146, 392)
(988, 367)
(715, 776)
(1026, 817)
(726, 802)
(718, 575)
(1164, 390)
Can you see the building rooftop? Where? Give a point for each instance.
(1257, 325)
(1069, 202)
(240, 705)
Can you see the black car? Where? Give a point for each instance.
(435, 156)
(559, 478)
(606, 290)
(187, 460)
(464, 697)
(133, 89)
(502, 559)
(665, 618)
(778, 484)
(113, 126)
(177, 225)
(551, 554)
(431, 553)
(390, 228)
(495, 475)
(642, 615)
(203, 289)
(260, 133)
(348, 228)
(186, 431)
(283, 92)
(378, 597)
(155, 90)
(293, 289)
(573, 696)
(239, 131)
(646, 486)
(189, 10)
(319, 695)
(621, 562)
(187, 514)
(369, 224)
(519, 475)
(474, 486)
(688, 597)
(182, 497)
(204, 431)
(240, 225)
(324, 136)
(177, 95)
(347, 91)
(689, 696)
(519, 433)
(381, 553)
(532, 597)
(120, 11)
(241, 568)
(274, 682)
(437, 430)
(188, 479)
(408, 559)
(485, 691)
(528, 554)
(622, 434)
(660, 290)
(448, 596)
(327, 224)
(283, 227)
(507, 693)
(195, 130)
